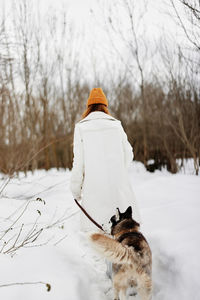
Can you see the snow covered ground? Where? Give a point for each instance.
(170, 210)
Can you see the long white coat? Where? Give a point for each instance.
(102, 155)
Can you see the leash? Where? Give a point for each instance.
(87, 215)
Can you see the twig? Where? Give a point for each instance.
(11, 226)
(61, 220)
(18, 234)
(60, 240)
(29, 239)
(25, 283)
(39, 245)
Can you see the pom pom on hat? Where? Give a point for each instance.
(97, 96)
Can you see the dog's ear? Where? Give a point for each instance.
(113, 220)
(117, 215)
(128, 212)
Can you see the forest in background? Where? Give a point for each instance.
(43, 87)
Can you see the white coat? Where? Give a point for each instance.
(102, 155)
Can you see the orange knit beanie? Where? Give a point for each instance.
(97, 96)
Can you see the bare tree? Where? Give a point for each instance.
(135, 43)
(192, 12)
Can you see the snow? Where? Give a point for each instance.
(61, 256)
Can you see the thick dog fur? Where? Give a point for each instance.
(130, 254)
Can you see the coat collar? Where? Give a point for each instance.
(97, 115)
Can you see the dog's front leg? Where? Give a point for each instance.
(122, 294)
(145, 294)
(119, 289)
(116, 295)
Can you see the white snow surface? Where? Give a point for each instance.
(61, 255)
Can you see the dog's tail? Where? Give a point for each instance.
(112, 249)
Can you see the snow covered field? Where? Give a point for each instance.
(170, 210)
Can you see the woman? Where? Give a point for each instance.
(102, 155)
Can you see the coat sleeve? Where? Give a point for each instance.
(127, 148)
(77, 173)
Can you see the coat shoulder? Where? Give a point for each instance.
(96, 115)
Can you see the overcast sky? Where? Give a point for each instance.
(88, 19)
(83, 13)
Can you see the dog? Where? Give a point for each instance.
(130, 254)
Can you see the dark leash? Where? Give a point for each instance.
(87, 215)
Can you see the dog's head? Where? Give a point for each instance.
(121, 221)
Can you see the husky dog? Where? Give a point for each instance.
(130, 255)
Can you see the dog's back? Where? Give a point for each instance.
(130, 248)
(130, 254)
(139, 245)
